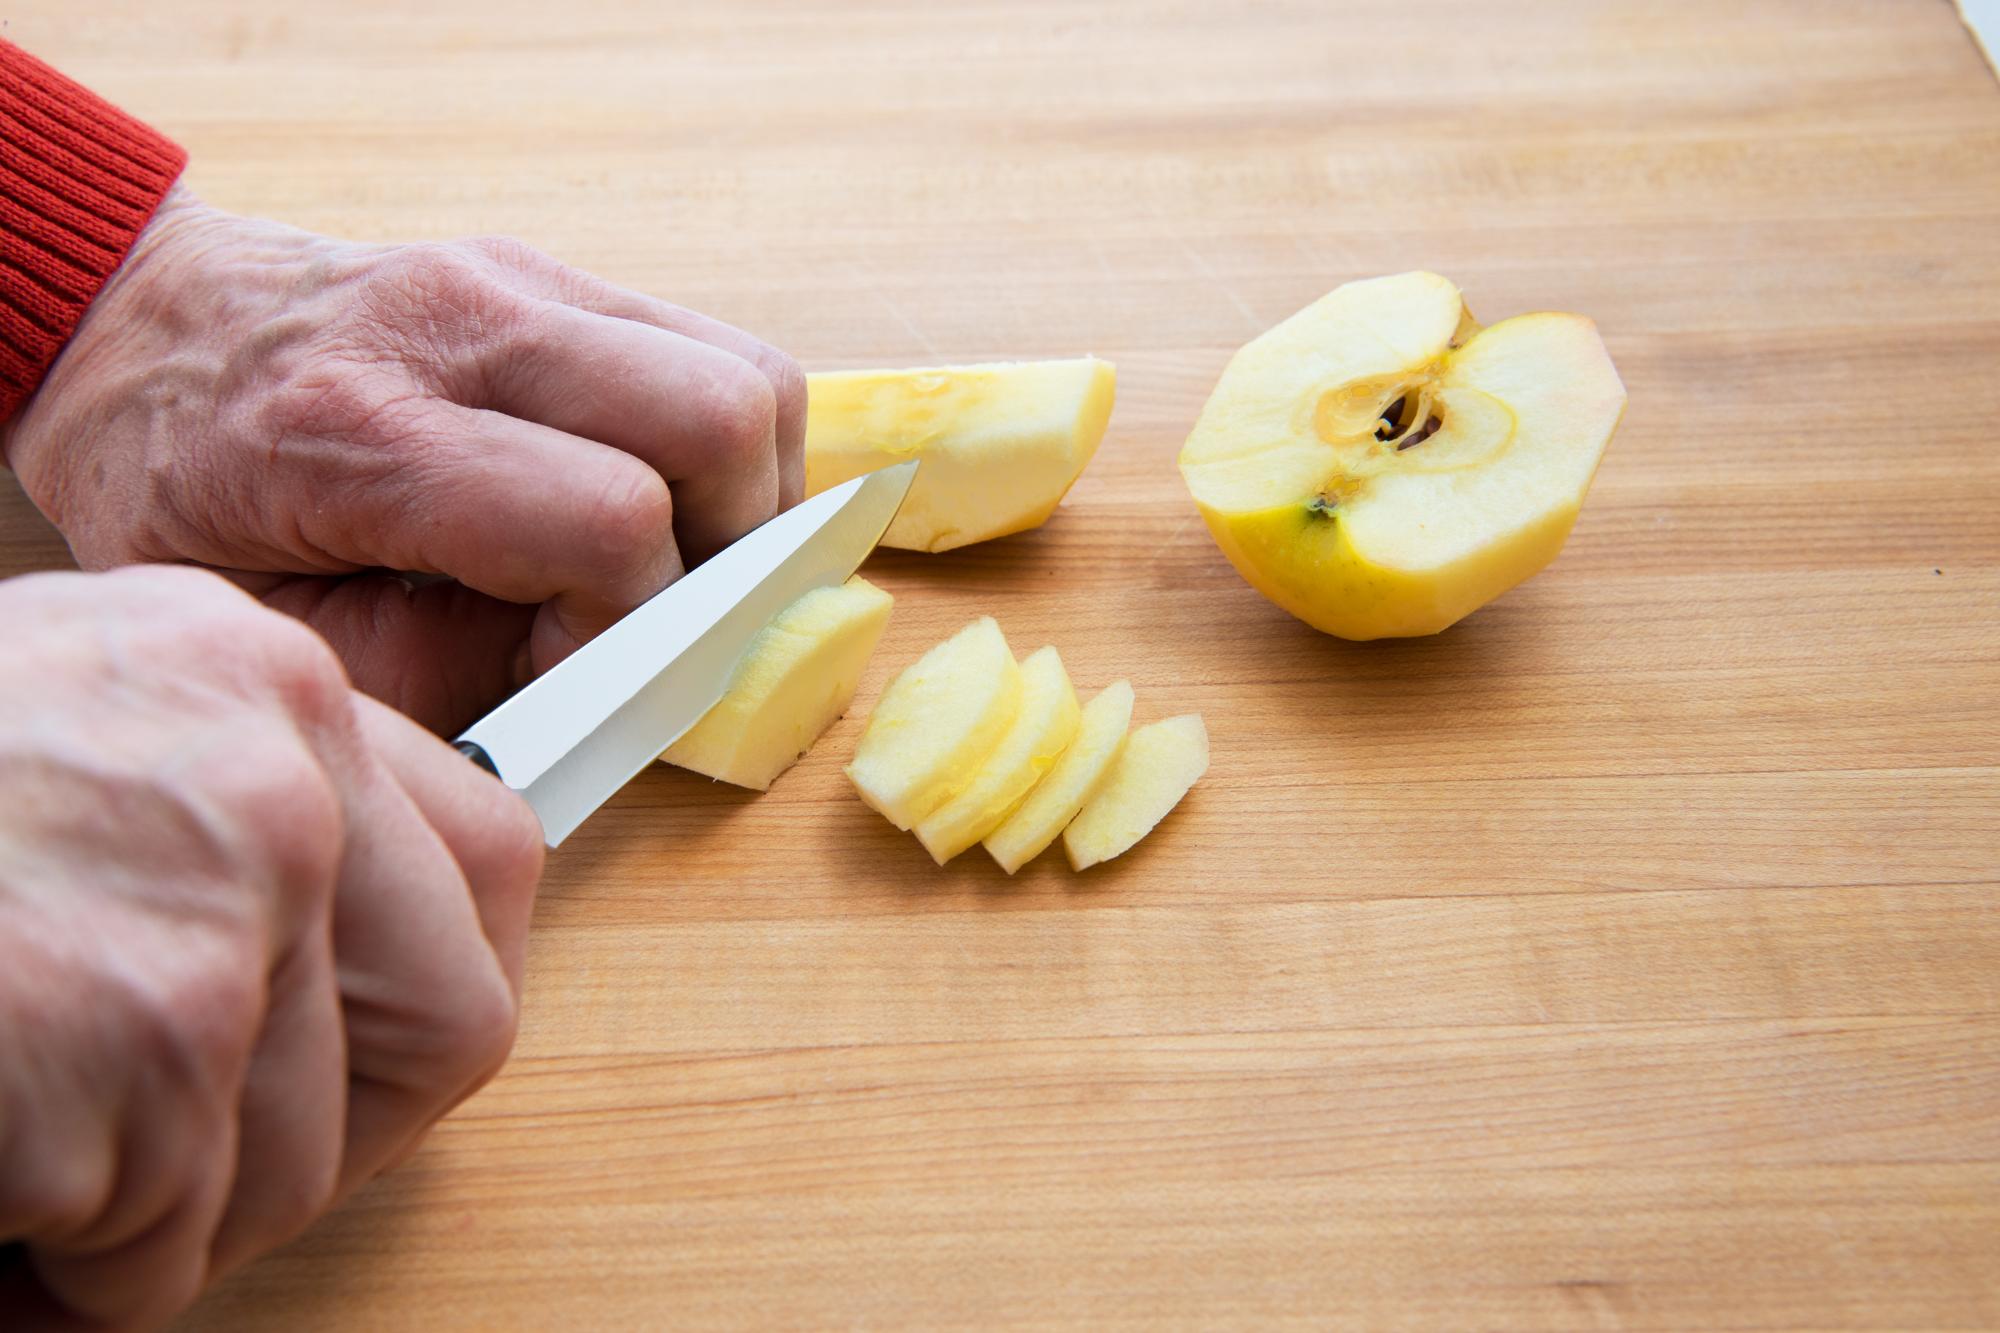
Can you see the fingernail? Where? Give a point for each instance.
(524, 665)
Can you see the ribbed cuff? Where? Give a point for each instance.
(79, 180)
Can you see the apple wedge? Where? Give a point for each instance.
(1156, 768)
(1100, 735)
(1379, 465)
(936, 723)
(1043, 726)
(1000, 443)
(797, 676)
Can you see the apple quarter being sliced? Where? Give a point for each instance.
(796, 677)
(1053, 803)
(1000, 443)
(1043, 726)
(936, 723)
(1156, 768)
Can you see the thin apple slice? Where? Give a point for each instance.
(797, 676)
(1157, 767)
(1000, 443)
(936, 724)
(1042, 730)
(1100, 735)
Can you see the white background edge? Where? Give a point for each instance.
(1983, 18)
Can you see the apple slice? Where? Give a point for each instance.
(795, 678)
(1157, 766)
(1379, 465)
(936, 723)
(1100, 735)
(1042, 730)
(1000, 443)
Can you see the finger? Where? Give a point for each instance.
(427, 1004)
(704, 418)
(175, 1161)
(489, 830)
(292, 1119)
(441, 654)
(526, 514)
(538, 274)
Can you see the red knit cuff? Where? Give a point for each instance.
(79, 180)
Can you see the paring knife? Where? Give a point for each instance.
(575, 735)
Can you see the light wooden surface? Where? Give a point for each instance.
(1626, 957)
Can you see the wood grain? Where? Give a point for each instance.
(1626, 957)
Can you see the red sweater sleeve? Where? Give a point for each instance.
(79, 179)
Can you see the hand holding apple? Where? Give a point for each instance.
(304, 413)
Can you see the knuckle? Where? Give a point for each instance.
(295, 815)
(60, 1192)
(193, 1018)
(631, 522)
(433, 267)
(738, 410)
(511, 251)
(476, 1031)
(432, 303)
(347, 398)
(300, 667)
(308, 1190)
(518, 852)
(787, 380)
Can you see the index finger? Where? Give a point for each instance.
(541, 275)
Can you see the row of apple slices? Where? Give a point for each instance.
(967, 745)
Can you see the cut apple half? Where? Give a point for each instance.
(1001, 443)
(1042, 729)
(1035, 823)
(936, 723)
(796, 677)
(1379, 465)
(1157, 766)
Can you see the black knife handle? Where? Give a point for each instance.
(476, 752)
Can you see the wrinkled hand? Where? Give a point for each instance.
(257, 932)
(275, 404)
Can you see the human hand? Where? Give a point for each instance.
(257, 933)
(302, 414)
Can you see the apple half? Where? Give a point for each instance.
(1379, 465)
(1001, 444)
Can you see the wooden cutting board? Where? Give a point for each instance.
(1627, 956)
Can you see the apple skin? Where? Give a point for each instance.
(1304, 560)
(1365, 537)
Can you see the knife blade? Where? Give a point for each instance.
(573, 736)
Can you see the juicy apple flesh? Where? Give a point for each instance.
(1380, 465)
(1153, 772)
(1055, 800)
(1001, 443)
(936, 723)
(1042, 729)
(797, 676)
